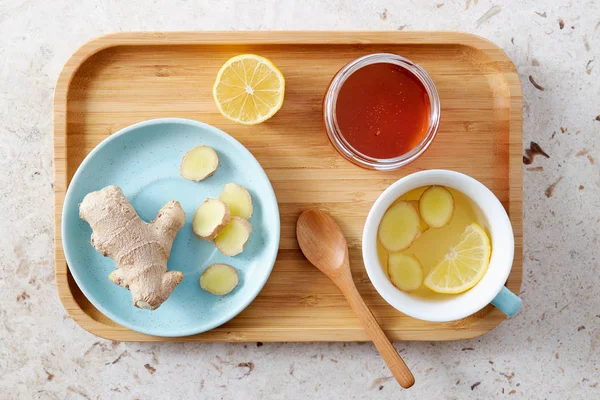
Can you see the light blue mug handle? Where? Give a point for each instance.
(507, 302)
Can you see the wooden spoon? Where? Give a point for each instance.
(324, 245)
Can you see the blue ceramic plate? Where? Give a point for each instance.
(143, 160)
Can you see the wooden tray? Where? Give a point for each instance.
(120, 79)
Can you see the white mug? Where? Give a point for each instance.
(490, 289)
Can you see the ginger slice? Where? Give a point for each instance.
(139, 249)
(436, 206)
(199, 163)
(219, 279)
(210, 219)
(424, 226)
(406, 272)
(233, 238)
(399, 227)
(238, 199)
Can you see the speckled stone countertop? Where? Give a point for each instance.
(551, 350)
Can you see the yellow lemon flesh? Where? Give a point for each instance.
(464, 265)
(249, 89)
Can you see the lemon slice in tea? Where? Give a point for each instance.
(249, 89)
(464, 265)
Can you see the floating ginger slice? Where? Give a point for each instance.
(233, 238)
(199, 163)
(406, 272)
(436, 206)
(238, 200)
(399, 227)
(210, 219)
(219, 279)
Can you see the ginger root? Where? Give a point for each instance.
(139, 249)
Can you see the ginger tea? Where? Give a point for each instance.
(431, 244)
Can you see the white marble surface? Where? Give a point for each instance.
(551, 350)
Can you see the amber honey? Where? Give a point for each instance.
(383, 110)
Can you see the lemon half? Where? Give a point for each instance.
(249, 89)
(464, 265)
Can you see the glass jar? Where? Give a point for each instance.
(336, 135)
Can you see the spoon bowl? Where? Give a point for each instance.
(312, 228)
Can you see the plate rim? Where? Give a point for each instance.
(69, 200)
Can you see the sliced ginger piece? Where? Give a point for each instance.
(233, 238)
(199, 163)
(436, 206)
(238, 199)
(399, 227)
(406, 272)
(219, 279)
(424, 226)
(210, 219)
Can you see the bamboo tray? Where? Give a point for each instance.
(120, 79)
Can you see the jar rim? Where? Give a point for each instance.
(334, 132)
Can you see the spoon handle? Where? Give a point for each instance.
(389, 354)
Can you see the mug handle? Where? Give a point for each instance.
(507, 302)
